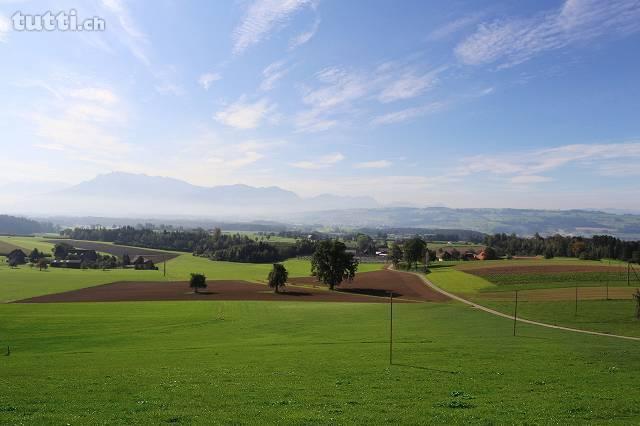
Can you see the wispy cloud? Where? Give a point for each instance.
(379, 164)
(245, 115)
(528, 167)
(272, 74)
(409, 85)
(449, 29)
(529, 179)
(5, 27)
(207, 79)
(304, 37)
(263, 17)
(320, 163)
(512, 41)
(129, 34)
(408, 113)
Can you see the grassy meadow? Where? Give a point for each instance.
(24, 281)
(301, 363)
(609, 316)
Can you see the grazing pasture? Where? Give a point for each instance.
(301, 363)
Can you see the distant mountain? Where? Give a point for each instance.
(125, 194)
(519, 221)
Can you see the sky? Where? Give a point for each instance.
(528, 104)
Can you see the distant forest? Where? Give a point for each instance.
(595, 248)
(214, 245)
(13, 225)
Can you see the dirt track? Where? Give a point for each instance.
(539, 269)
(380, 283)
(366, 288)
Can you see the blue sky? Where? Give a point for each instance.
(465, 104)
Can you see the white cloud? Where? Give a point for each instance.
(408, 113)
(513, 41)
(5, 27)
(272, 74)
(379, 164)
(207, 79)
(409, 86)
(320, 163)
(96, 94)
(262, 17)
(304, 37)
(245, 115)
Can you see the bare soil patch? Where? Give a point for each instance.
(381, 283)
(119, 251)
(216, 290)
(561, 294)
(539, 269)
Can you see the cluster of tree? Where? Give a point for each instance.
(22, 226)
(597, 247)
(214, 245)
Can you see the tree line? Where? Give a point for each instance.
(214, 245)
(594, 248)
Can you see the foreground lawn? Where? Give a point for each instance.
(24, 282)
(291, 362)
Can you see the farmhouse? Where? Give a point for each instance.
(82, 255)
(17, 257)
(143, 264)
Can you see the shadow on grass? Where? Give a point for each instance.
(419, 367)
(369, 292)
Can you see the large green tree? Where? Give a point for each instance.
(332, 264)
(415, 249)
(278, 277)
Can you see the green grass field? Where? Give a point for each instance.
(607, 316)
(301, 363)
(28, 243)
(24, 282)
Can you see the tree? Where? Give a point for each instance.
(61, 250)
(278, 277)
(396, 254)
(35, 255)
(414, 250)
(197, 282)
(331, 263)
(126, 260)
(13, 263)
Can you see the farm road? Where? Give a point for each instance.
(500, 314)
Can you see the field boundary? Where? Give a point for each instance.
(523, 320)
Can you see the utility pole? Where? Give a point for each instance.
(608, 276)
(628, 274)
(391, 328)
(576, 313)
(164, 259)
(515, 315)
